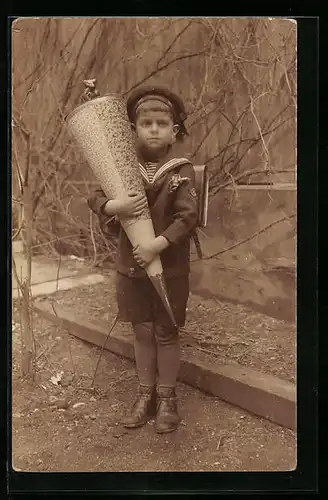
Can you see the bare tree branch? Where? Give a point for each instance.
(229, 62)
(249, 238)
(168, 49)
(165, 66)
(249, 173)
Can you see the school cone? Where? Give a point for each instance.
(103, 132)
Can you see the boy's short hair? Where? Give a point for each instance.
(168, 101)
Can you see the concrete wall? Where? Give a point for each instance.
(261, 272)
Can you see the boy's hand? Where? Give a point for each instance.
(129, 206)
(144, 254)
(132, 205)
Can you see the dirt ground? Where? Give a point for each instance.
(229, 333)
(68, 427)
(59, 423)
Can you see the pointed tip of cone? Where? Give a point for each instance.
(159, 284)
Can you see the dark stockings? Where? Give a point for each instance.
(157, 346)
(145, 353)
(168, 355)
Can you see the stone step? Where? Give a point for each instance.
(50, 287)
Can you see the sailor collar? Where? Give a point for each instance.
(163, 168)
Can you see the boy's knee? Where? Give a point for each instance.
(166, 335)
(143, 331)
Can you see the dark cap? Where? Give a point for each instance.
(179, 112)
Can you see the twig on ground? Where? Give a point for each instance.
(67, 337)
(44, 352)
(103, 347)
(61, 322)
(207, 351)
(221, 438)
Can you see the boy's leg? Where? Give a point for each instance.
(168, 362)
(168, 355)
(145, 356)
(167, 336)
(145, 352)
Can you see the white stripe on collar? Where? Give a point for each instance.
(169, 165)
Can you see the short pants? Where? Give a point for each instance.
(138, 301)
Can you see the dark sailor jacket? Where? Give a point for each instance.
(172, 202)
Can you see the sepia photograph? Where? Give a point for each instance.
(154, 227)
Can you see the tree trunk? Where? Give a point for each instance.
(27, 344)
(27, 348)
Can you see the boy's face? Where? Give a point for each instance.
(155, 130)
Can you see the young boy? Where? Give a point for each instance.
(157, 117)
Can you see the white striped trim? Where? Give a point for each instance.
(174, 162)
(143, 172)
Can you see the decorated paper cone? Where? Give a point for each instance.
(103, 132)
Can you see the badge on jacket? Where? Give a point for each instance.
(175, 181)
(193, 192)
